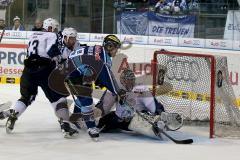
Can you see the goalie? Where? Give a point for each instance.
(137, 100)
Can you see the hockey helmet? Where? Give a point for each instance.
(69, 32)
(111, 40)
(50, 22)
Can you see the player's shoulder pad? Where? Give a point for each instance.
(36, 35)
(50, 35)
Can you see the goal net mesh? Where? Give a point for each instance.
(197, 87)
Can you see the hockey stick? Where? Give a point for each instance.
(184, 141)
(70, 91)
(3, 31)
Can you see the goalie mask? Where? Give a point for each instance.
(111, 43)
(127, 79)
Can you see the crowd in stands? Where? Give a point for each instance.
(17, 26)
(176, 6)
(170, 7)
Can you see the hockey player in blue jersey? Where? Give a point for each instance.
(43, 48)
(92, 64)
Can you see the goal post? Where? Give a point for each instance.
(199, 90)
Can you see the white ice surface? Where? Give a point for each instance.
(37, 136)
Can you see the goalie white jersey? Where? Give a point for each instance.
(140, 98)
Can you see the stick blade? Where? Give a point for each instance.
(185, 141)
(182, 141)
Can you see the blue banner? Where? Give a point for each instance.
(133, 23)
(152, 24)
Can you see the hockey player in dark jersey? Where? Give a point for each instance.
(92, 64)
(42, 50)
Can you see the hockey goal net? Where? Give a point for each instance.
(197, 87)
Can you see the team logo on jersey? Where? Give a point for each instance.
(76, 53)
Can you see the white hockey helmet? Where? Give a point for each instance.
(50, 22)
(69, 32)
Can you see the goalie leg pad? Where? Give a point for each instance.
(111, 122)
(141, 126)
(106, 102)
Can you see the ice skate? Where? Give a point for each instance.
(94, 133)
(11, 121)
(68, 131)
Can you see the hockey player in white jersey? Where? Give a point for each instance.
(42, 51)
(138, 98)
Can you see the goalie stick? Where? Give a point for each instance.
(184, 141)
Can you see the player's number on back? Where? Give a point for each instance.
(34, 47)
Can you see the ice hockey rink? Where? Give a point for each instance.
(37, 136)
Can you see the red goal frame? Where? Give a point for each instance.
(212, 83)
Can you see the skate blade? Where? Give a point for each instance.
(8, 130)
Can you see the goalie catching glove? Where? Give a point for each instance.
(172, 121)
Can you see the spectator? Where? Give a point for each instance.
(17, 25)
(159, 5)
(2, 24)
(163, 6)
(38, 25)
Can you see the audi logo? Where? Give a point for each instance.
(196, 42)
(223, 44)
(184, 70)
(168, 41)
